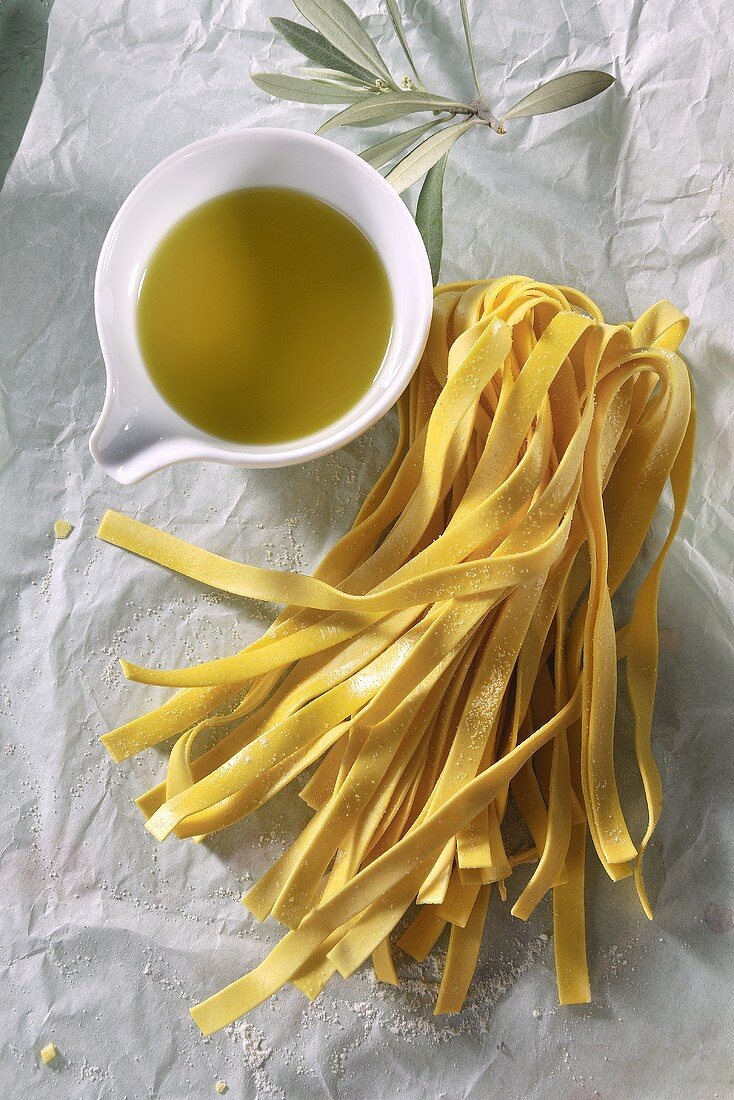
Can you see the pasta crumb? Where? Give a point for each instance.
(48, 1053)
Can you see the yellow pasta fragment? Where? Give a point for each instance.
(452, 663)
(462, 957)
(383, 965)
(421, 936)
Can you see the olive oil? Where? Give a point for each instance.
(264, 315)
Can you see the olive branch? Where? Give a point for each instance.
(347, 68)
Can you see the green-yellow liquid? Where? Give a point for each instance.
(264, 315)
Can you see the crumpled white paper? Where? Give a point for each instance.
(107, 938)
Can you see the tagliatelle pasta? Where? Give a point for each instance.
(455, 653)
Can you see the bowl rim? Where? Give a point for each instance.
(184, 447)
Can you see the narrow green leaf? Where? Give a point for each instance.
(384, 151)
(387, 106)
(339, 25)
(397, 22)
(563, 91)
(429, 152)
(383, 120)
(332, 76)
(429, 215)
(305, 91)
(317, 48)
(470, 47)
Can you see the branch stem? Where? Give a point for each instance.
(482, 111)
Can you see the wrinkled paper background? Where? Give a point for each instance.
(107, 938)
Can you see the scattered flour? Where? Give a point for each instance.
(256, 1055)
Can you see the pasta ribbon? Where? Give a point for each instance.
(455, 654)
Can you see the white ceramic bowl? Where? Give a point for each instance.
(138, 432)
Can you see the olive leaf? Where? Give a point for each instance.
(387, 107)
(317, 48)
(333, 76)
(421, 159)
(429, 215)
(564, 91)
(305, 91)
(340, 26)
(470, 47)
(397, 23)
(381, 119)
(384, 151)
